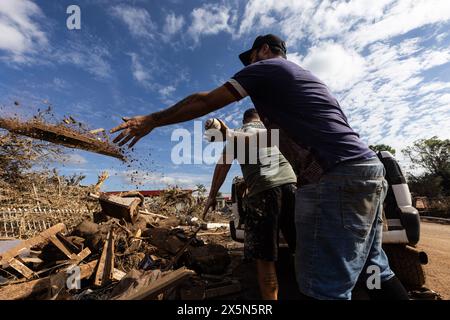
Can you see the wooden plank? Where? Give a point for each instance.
(62, 247)
(109, 268)
(27, 244)
(160, 285)
(25, 289)
(118, 274)
(23, 269)
(105, 268)
(61, 135)
(69, 245)
(95, 131)
(55, 239)
(200, 234)
(83, 254)
(146, 212)
(31, 260)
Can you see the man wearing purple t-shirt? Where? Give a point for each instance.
(341, 181)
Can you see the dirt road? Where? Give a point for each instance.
(435, 241)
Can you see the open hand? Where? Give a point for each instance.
(133, 128)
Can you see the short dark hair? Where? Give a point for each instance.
(278, 51)
(276, 44)
(250, 113)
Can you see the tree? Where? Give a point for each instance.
(425, 185)
(432, 155)
(201, 190)
(382, 147)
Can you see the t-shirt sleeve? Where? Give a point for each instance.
(248, 81)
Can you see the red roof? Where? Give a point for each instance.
(145, 193)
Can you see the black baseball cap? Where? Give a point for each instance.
(270, 39)
(250, 113)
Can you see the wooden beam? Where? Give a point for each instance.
(62, 247)
(160, 285)
(68, 244)
(25, 289)
(146, 212)
(105, 268)
(83, 254)
(23, 269)
(44, 236)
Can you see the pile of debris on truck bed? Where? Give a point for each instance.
(124, 252)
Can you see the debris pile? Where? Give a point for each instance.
(124, 251)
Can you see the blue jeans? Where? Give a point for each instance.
(339, 229)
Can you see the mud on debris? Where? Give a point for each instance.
(153, 256)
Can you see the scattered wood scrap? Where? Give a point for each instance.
(77, 257)
(26, 289)
(61, 135)
(134, 257)
(160, 285)
(20, 267)
(44, 236)
(11, 257)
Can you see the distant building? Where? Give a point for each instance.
(148, 193)
(223, 201)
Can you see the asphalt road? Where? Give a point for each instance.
(435, 241)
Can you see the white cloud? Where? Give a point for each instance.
(440, 37)
(150, 72)
(357, 23)
(337, 66)
(209, 20)
(400, 18)
(433, 87)
(173, 24)
(382, 74)
(167, 91)
(166, 94)
(258, 13)
(88, 55)
(139, 72)
(20, 34)
(24, 41)
(393, 103)
(137, 20)
(152, 179)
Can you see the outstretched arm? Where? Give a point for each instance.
(193, 106)
(220, 173)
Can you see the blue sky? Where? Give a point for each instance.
(387, 62)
